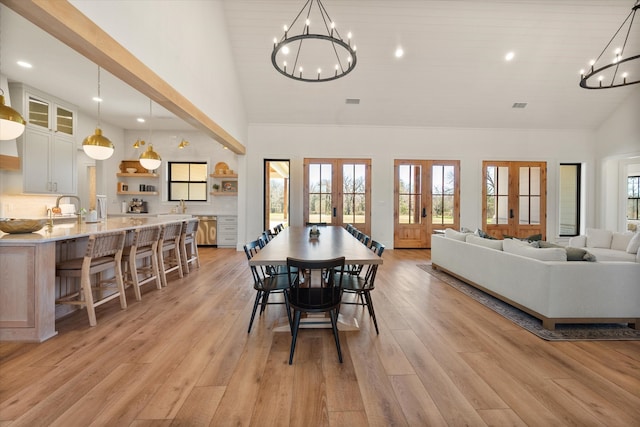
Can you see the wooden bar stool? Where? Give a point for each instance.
(144, 248)
(104, 252)
(169, 250)
(189, 245)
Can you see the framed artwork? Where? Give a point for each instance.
(230, 186)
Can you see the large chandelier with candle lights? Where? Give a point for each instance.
(312, 49)
(619, 62)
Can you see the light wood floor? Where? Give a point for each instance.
(182, 356)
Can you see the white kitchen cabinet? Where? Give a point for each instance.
(48, 145)
(227, 231)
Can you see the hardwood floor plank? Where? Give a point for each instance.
(417, 405)
(199, 407)
(501, 417)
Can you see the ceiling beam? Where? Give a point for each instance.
(66, 23)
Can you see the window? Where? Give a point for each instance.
(633, 197)
(188, 181)
(569, 199)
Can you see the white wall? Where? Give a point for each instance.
(618, 148)
(384, 144)
(203, 71)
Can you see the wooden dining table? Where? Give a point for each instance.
(332, 242)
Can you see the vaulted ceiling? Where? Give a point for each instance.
(453, 73)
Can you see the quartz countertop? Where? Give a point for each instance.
(75, 230)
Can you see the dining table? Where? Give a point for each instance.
(331, 242)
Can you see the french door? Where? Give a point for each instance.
(426, 198)
(514, 198)
(338, 192)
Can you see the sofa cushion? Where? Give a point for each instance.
(531, 238)
(598, 238)
(518, 247)
(620, 241)
(573, 254)
(634, 244)
(578, 241)
(604, 254)
(456, 235)
(487, 243)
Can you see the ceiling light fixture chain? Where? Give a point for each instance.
(325, 51)
(620, 70)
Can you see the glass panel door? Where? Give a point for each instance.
(38, 112)
(276, 193)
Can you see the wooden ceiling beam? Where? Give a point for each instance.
(66, 23)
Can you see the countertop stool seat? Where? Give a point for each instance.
(143, 248)
(189, 245)
(104, 252)
(169, 250)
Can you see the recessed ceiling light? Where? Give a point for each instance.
(509, 56)
(519, 105)
(399, 52)
(140, 120)
(24, 64)
(95, 98)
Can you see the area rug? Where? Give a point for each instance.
(563, 332)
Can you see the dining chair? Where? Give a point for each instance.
(169, 250)
(278, 228)
(103, 253)
(189, 245)
(362, 285)
(144, 251)
(265, 284)
(323, 296)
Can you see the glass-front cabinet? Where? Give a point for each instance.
(50, 115)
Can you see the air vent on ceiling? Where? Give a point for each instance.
(519, 105)
(354, 101)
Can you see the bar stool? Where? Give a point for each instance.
(169, 244)
(144, 247)
(188, 244)
(104, 252)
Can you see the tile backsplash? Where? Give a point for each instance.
(25, 206)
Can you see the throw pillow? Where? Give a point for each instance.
(453, 234)
(579, 254)
(620, 241)
(532, 238)
(484, 235)
(466, 230)
(634, 244)
(598, 238)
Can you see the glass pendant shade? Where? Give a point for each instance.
(97, 146)
(149, 159)
(11, 122)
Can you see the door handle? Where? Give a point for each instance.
(424, 212)
(335, 212)
(511, 213)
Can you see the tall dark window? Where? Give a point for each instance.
(187, 181)
(570, 182)
(633, 197)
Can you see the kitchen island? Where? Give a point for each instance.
(28, 285)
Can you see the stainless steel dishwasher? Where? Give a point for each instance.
(207, 230)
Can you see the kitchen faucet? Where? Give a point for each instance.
(79, 205)
(183, 207)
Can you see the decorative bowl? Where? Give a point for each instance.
(131, 170)
(15, 226)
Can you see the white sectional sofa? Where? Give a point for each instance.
(552, 289)
(609, 246)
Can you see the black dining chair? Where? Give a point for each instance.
(362, 285)
(265, 284)
(308, 297)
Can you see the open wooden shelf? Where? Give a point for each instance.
(223, 193)
(224, 176)
(138, 193)
(137, 175)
